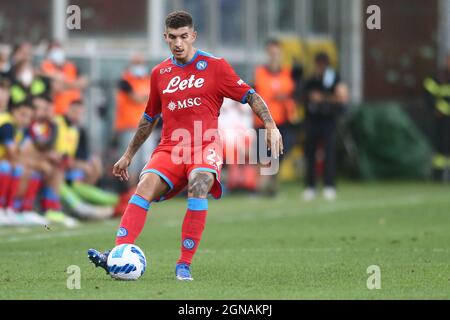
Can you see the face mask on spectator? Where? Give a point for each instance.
(57, 56)
(138, 70)
(26, 77)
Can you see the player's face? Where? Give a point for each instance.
(76, 113)
(42, 109)
(23, 116)
(180, 42)
(320, 68)
(274, 54)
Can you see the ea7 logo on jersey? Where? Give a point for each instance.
(176, 84)
(165, 70)
(183, 104)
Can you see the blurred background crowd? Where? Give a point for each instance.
(349, 101)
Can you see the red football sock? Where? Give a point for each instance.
(192, 229)
(30, 194)
(50, 200)
(133, 220)
(14, 187)
(5, 180)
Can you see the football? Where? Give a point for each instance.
(126, 262)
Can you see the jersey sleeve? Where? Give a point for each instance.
(231, 85)
(153, 108)
(7, 134)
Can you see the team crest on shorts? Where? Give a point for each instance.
(202, 65)
(189, 244)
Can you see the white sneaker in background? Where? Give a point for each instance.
(309, 194)
(34, 218)
(4, 220)
(329, 193)
(14, 220)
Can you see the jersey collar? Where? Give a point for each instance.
(197, 52)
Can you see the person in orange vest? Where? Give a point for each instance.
(67, 83)
(131, 97)
(275, 84)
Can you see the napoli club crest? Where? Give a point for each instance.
(202, 65)
(189, 244)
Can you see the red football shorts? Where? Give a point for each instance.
(174, 166)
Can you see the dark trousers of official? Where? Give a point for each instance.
(442, 136)
(325, 134)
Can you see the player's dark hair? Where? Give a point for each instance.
(45, 97)
(23, 104)
(322, 57)
(273, 42)
(179, 19)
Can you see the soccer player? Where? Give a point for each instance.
(12, 125)
(187, 91)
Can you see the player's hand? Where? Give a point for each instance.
(274, 141)
(120, 169)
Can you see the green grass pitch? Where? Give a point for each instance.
(257, 248)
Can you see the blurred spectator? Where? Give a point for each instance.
(325, 98)
(5, 63)
(26, 84)
(438, 100)
(51, 154)
(85, 167)
(12, 125)
(235, 124)
(45, 164)
(276, 86)
(22, 52)
(67, 83)
(4, 94)
(132, 95)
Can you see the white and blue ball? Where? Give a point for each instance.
(126, 262)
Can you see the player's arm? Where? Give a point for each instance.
(148, 121)
(233, 87)
(144, 130)
(273, 137)
(7, 140)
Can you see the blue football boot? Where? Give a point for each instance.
(183, 272)
(99, 259)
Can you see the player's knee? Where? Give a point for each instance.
(200, 184)
(148, 187)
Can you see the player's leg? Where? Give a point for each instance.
(12, 204)
(26, 196)
(329, 140)
(199, 185)
(5, 179)
(51, 197)
(150, 187)
(310, 155)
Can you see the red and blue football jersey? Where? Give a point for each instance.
(189, 96)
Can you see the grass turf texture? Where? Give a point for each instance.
(257, 248)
